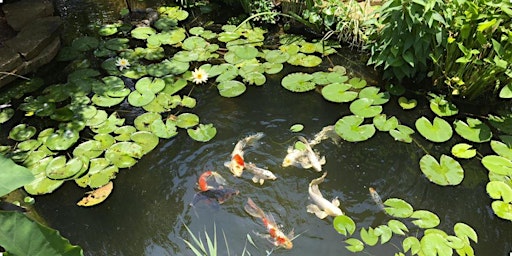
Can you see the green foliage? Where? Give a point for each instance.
(406, 32)
(13, 176)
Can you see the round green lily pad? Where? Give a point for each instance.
(90, 149)
(442, 107)
(502, 209)
(123, 154)
(143, 32)
(108, 30)
(373, 93)
(194, 42)
(85, 43)
(339, 93)
(231, 88)
(383, 124)
(105, 139)
(62, 139)
(437, 131)
(272, 68)
(246, 52)
(42, 185)
(463, 150)
(364, 107)
(6, 114)
(350, 128)
(147, 84)
(498, 164)
(29, 145)
(298, 82)
(147, 140)
(255, 78)
(188, 102)
(406, 103)
(164, 130)
(60, 169)
(22, 132)
(310, 61)
(425, 219)
(143, 122)
(106, 101)
(99, 118)
(138, 99)
(446, 172)
(474, 130)
(202, 133)
(296, 128)
(276, 56)
(397, 207)
(187, 120)
(357, 83)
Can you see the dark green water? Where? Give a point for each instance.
(146, 212)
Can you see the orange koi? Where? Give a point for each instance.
(202, 181)
(276, 236)
(237, 163)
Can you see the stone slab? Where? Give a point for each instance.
(35, 36)
(9, 59)
(22, 13)
(45, 57)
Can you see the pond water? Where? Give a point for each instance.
(149, 206)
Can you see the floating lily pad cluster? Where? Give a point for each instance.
(430, 241)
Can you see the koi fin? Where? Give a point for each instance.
(256, 179)
(252, 209)
(322, 160)
(336, 202)
(312, 208)
(218, 178)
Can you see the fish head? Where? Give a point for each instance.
(284, 242)
(287, 161)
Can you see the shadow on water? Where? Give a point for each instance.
(145, 213)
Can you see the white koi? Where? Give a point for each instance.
(237, 164)
(321, 207)
(260, 174)
(312, 156)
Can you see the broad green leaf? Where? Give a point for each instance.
(474, 130)
(398, 208)
(502, 209)
(383, 124)
(350, 129)
(463, 150)
(364, 107)
(384, 232)
(465, 232)
(231, 88)
(425, 219)
(498, 164)
(187, 120)
(144, 121)
(62, 139)
(435, 244)
(406, 103)
(437, 131)
(85, 43)
(354, 245)
(298, 82)
(447, 172)
(22, 236)
(22, 132)
(164, 130)
(411, 243)
(42, 185)
(142, 32)
(203, 133)
(13, 176)
(369, 236)
(501, 149)
(344, 224)
(499, 190)
(441, 107)
(296, 128)
(338, 92)
(402, 133)
(372, 93)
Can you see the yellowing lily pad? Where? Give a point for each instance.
(203, 133)
(474, 130)
(97, 196)
(437, 131)
(350, 128)
(406, 103)
(446, 172)
(187, 120)
(298, 82)
(231, 88)
(463, 150)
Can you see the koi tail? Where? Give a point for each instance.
(252, 209)
(218, 178)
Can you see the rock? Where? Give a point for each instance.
(10, 59)
(35, 36)
(21, 13)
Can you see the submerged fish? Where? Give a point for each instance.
(260, 174)
(237, 163)
(327, 132)
(321, 207)
(376, 198)
(202, 182)
(216, 195)
(275, 236)
(299, 158)
(311, 155)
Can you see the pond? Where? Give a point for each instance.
(149, 207)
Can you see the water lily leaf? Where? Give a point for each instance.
(97, 196)
(188, 102)
(384, 232)
(196, 31)
(22, 132)
(310, 61)
(335, 77)
(502, 209)
(383, 124)
(108, 30)
(307, 47)
(364, 107)
(117, 44)
(498, 164)
(165, 23)
(174, 12)
(354, 245)
(501, 149)
(186, 56)
(13, 176)
(194, 42)
(425, 219)
(373, 93)
(344, 224)
(231, 88)
(62, 139)
(255, 78)
(398, 208)
(106, 140)
(276, 56)
(90, 149)
(174, 86)
(110, 125)
(338, 92)
(441, 107)
(411, 243)
(203, 133)
(447, 172)
(369, 236)
(438, 131)
(397, 227)
(148, 84)
(499, 190)
(29, 145)
(122, 154)
(230, 74)
(474, 130)
(138, 99)
(60, 169)
(106, 101)
(147, 140)
(465, 232)
(435, 244)
(42, 185)
(187, 120)
(162, 130)
(6, 114)
(463, 150)
(350, 129)
(406, 103)
(320, 78)
(296, 128)
(154, 53)
(85, 43)
(246, 52)
(144, 121)
(357, 83)
(228, 36)
(298, 82)
(99, 118)
(142, 32)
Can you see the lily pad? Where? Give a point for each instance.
(106, 140)
(123, 154)
(6, 114)
(85, 43)
(435, 244)
(499, 190)
(255, 78)
(442, 107)
(188, 102)
(354, 245)
(90, 149)
(373, 93)
(411, 243)
(339, 93)
(438, 131)
(276, 56)
(147, 140)
(187, 120)
(406, 103)
(425, 219)
(22, 132)
(142, 32)
(42, 185)
(364, 107)
(384, 232)
(498, 164)
(138, 99)
(397, 207)
(397, 226)
(144, 121)
(298, 82)
(246, 52)
(447, 172)
(62, 139)
(344, 224)
(383, 124)
(148, 84)
(296, 128)
(231, 88)
(350, 128)
(164, 130)
(474, 130)
(502, 149)
(174, 86)
(463, 150)
(60, 169)
(465, 232)
(502, 209)
(203, 133)
(106, 101)
(357, 83)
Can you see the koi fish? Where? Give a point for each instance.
(312, 156)
(237, 163)
(260, 174)
(275, 236)
(215, 195)
(202, 181)
(299, 158)
(376, 198)
(326, 133)
(321, 207)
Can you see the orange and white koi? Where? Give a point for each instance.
(237, 163)
(202, 182)
(276, 236)
(376, 198)
(260, 174)
(321, 207)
